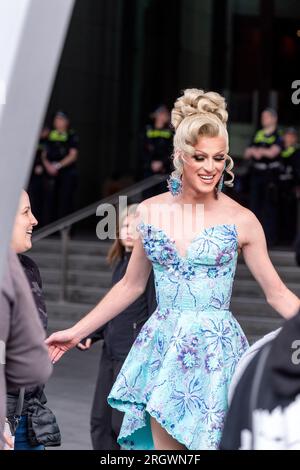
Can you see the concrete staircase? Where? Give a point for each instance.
(89, 278)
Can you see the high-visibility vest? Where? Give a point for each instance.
(56, 136)
(159, 133)
(288, 152)
(261, 138)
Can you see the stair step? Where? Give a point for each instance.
(250, 288)
(252, 306)
(76, 294)
(91, 255)
(59, 308)
(259, 326)
(83, 278)
(279, 258)
(98, 274)
(89, 248)
(75, 262)
(83, 269)
(287, 273)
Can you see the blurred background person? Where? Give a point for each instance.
(157, 143)
(37, 178)
(156, 150)
(43, 426)
(264, 153)
(289, 186)
(59, 160)
(118, 335)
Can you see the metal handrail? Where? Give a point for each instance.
(81, 214)
(64, 224)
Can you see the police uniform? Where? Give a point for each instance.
(156, 145)
(289, 178)
(60, 188)
(264, 184)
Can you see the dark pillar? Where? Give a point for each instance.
(219, 45)
(266, 52)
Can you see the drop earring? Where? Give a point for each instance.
(220, 184)
(174, 184)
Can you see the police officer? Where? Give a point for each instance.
(59, 160)
(289, 183)
(157, 143)
(156, 149)
(264, 153)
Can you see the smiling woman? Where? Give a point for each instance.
(34, 415)
(201, 141)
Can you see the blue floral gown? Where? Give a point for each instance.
(180, 366)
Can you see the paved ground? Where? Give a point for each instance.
(70, 392)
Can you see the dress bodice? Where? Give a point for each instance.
(202, 279)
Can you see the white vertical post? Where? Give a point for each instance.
(32, 33)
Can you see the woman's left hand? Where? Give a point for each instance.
(61, 342)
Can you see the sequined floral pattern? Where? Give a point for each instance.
(162, 250)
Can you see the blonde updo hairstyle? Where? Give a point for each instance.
(195, 114)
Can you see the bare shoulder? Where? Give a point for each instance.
(248, 226)
(163, 198)
(148, 205)
(230, 208)
(240, 214)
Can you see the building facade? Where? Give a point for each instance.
(122, 58)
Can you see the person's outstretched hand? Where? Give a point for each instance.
(61, 342)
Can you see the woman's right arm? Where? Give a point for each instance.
(122, 294)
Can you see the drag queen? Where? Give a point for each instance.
(173, 385)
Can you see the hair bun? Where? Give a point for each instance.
(196, 101)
